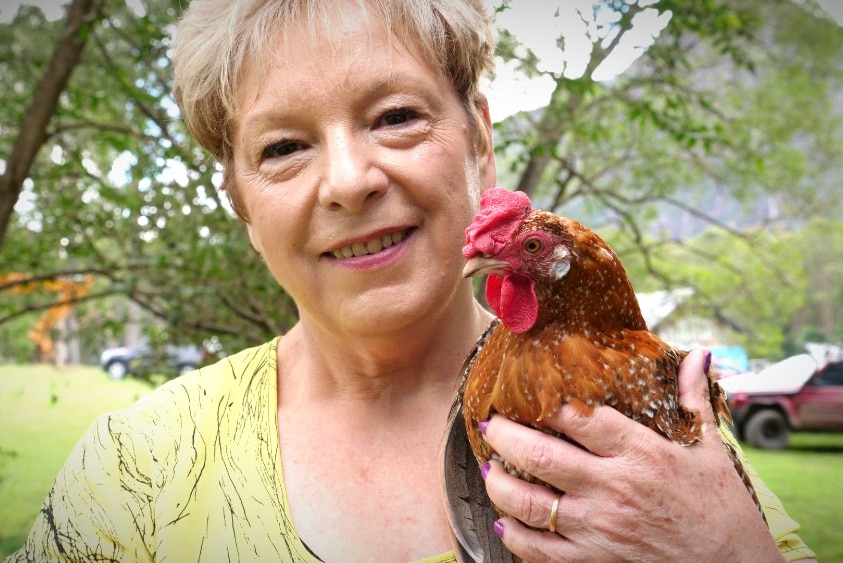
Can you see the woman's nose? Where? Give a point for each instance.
(351, 178)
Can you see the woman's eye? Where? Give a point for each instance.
(281, 149)
(398, 116)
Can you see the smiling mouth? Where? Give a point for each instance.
(370, 247)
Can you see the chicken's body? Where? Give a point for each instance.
(571, 332)
(528, 377)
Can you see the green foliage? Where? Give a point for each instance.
(820, 246)
(14, 343)
(759, 293)
(779, 286)
(121, 193)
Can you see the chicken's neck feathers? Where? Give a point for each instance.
(586, 308)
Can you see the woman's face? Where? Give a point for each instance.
(356, 166)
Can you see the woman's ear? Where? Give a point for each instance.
(254, 238)
(485, 145)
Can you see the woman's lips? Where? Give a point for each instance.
(375, 253)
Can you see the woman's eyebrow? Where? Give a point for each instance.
(398, 80)
(271, 116)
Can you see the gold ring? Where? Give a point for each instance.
(553, 510)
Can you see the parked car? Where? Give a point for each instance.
(142, 359)
(793, 395)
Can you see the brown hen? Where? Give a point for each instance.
(571, 332)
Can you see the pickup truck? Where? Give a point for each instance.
(796, 394)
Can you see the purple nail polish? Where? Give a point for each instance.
(498, 528)
(484, 470)
(707, 363)
(484, 424)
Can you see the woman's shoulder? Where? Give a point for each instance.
(159, 470)
(206, 395)
(235, 370)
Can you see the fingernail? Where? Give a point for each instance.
(707, 363)
(484, 469)
(498, 528)
(483, 426)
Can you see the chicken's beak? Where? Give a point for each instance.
(483, 265)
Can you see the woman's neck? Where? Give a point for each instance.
(316, 364)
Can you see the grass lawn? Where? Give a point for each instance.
(46, 410)
(808, 478)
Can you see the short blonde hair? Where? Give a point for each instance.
(216, 37)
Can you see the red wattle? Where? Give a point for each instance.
(493, 293)
(513, 299)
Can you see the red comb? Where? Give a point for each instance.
(500, 213)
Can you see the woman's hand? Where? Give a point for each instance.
(630, 493)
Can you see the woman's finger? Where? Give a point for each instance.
(536, 546)
(532, 504)
(553, 460)
(693, 384)
(604, 432)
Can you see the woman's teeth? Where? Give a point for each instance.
(369, 247)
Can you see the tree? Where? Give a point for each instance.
(121, 193)
(820, 246)
(32, 133)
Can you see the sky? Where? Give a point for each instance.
(538, 28)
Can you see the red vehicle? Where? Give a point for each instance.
(793, 395)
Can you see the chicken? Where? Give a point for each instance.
(571, 331)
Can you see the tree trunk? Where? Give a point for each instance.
(33, 127)
(531, 177)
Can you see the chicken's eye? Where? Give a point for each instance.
(532, 245)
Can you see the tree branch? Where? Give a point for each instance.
(53, 276)
(44, 306)
(33, 128)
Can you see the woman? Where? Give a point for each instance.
(355, 144)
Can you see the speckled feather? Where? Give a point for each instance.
(589, 346)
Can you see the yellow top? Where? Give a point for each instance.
(192, 472)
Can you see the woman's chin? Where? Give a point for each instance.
(389, 311)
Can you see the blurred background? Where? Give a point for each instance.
(703, 139)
